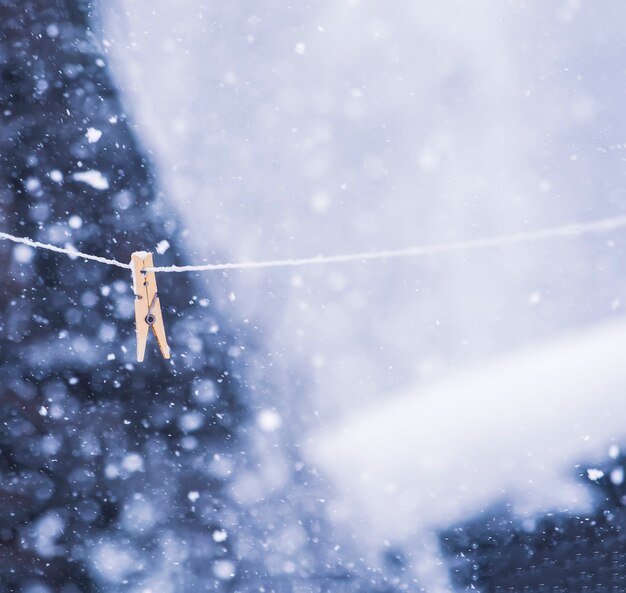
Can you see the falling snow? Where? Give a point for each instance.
(93, 178)
(447, 424)
(93, 135)
(162, 246)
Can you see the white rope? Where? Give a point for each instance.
(571, 230)
(70, 252)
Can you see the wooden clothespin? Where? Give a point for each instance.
(147, 306)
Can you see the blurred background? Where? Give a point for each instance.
(333, 127)
(290, 130)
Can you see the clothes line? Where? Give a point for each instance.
(567, 231)
(70, 252)
(571, 230)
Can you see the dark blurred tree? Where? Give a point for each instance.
(556, 552)
(98, 455)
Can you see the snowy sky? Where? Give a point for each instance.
(338, 126)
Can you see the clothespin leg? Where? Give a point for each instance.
(158, 329)
(142, 337)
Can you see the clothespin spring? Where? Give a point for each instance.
(150, 317)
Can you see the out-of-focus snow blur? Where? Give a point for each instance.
(521, 429)
(330, 127)
(289, 130)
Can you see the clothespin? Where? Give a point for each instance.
(147, 306)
